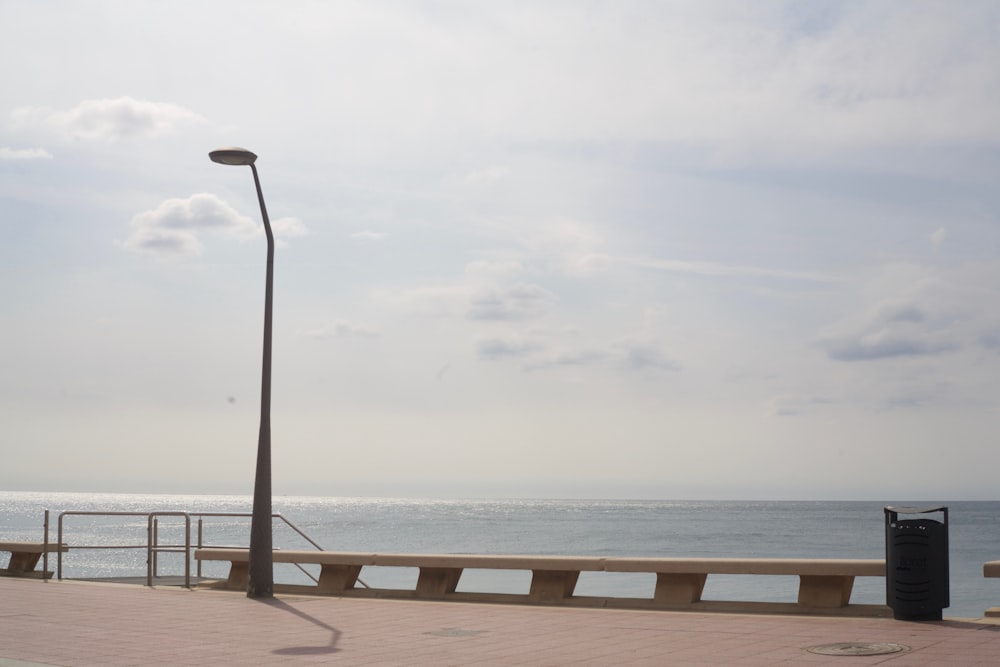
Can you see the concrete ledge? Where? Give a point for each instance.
(24, 556)
(825, 585)
(32, 547)
(493, 562)
(788, 566)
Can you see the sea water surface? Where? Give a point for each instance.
(782, 529)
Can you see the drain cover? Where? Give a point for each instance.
(857, 648)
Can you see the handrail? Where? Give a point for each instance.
(64, 514)
(275, 515)
(153, 546)
(150, 559)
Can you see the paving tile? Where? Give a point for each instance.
(75, 623)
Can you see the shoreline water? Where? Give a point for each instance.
(800, 529)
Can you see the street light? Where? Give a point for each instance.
(261, 580)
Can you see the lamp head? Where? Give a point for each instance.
(233, 155)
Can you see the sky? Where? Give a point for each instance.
(625, 249)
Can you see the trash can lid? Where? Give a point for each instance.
(915, 510)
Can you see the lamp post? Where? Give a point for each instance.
(261, 566)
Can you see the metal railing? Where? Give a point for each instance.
(153, 546)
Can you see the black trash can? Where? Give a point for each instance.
(916, 564)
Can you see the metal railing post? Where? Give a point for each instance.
(156, 547)
(59, 553)
(149, 549)
(45, 549)
(200, 527)
(187, 550)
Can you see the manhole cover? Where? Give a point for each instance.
(857, 648)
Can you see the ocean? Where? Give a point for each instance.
(786, 529)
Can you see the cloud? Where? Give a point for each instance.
(899, 313)
(884, 345)
(640, 356)
(163, 243)
(729, 79)
(108, 120)
(894, 330)
(564, 246)
(485, 304)
(542, 349)
(518, 302)
(586, 357)
(513, 347)
(288, 228)
(173, 229)
(24, 154)
(341, 329)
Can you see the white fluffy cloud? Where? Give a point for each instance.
(107, 119)
(174, 228)
(288, 228)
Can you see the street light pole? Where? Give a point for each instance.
(261, 565)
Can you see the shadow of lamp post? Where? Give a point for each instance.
(261, 580)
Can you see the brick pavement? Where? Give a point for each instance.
(77, 623)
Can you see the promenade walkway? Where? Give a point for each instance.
(78, 623)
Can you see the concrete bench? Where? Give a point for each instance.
(991, 569)
(24, 556)
(339, 572)
(823, 583)
(553, 577)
